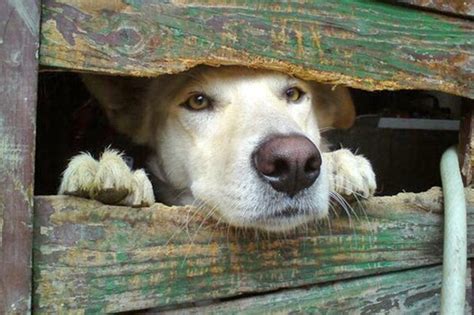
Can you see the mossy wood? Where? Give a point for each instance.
(371, 45)
(414, 291)
(90, 257)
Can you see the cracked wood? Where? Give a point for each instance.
(91, 257)
(371, 45)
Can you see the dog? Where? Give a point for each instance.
(243, 142)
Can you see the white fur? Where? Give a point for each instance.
(108, 180)
(204, 156)
(350, 174)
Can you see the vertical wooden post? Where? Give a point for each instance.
(19, 40)
(466, 142)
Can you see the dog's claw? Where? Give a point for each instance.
(108, 180)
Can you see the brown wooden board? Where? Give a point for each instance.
(19, 38)
(415, 291)
(459, 7)
(371, 45)
(91, 257)
(466, 142)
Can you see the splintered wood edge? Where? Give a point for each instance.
(337, 45)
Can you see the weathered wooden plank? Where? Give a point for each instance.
(414, 291)
(371, 45)
(460, 7)
(97, 258)
(19, 39)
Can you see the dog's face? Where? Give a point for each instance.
(246, 143)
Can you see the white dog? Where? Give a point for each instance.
(245, 143)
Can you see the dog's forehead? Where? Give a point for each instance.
(206, 75)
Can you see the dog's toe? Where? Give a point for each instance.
(78, 178)
(108, 180)
(364, 171)
(141, 194)
(113, 180)
(351, 174)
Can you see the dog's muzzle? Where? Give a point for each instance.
(289, 163)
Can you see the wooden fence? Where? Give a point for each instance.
(91, 258)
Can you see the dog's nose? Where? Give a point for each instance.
(290, 163)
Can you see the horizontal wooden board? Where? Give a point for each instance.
(415, 291)
(96, 258)
(371, 45)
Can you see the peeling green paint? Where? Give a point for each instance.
(407, 292)
(364, 44)
(146, 256)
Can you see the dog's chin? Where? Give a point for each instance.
(289, 219)
(267, 210)
(283, 220)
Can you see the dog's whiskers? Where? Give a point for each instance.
(357, 197)
(185, 226)
(207, 216)
(340, 201)
(325, 129)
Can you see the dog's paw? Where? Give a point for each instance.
(108, 180)
(350, 174)
(79, 176)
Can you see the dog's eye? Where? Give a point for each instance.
(198, 102)
(294, 94)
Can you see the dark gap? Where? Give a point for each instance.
(403, 159)
(69, 122)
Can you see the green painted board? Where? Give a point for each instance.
(371, 45)
(89, 257)
(415, 291)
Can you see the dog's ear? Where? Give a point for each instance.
(334, 106)
(122, 100)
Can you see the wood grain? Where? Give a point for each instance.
(95, 258)
(371, 45)
(414, 291)
(19, 39)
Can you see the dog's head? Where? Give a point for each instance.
(246, 143)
